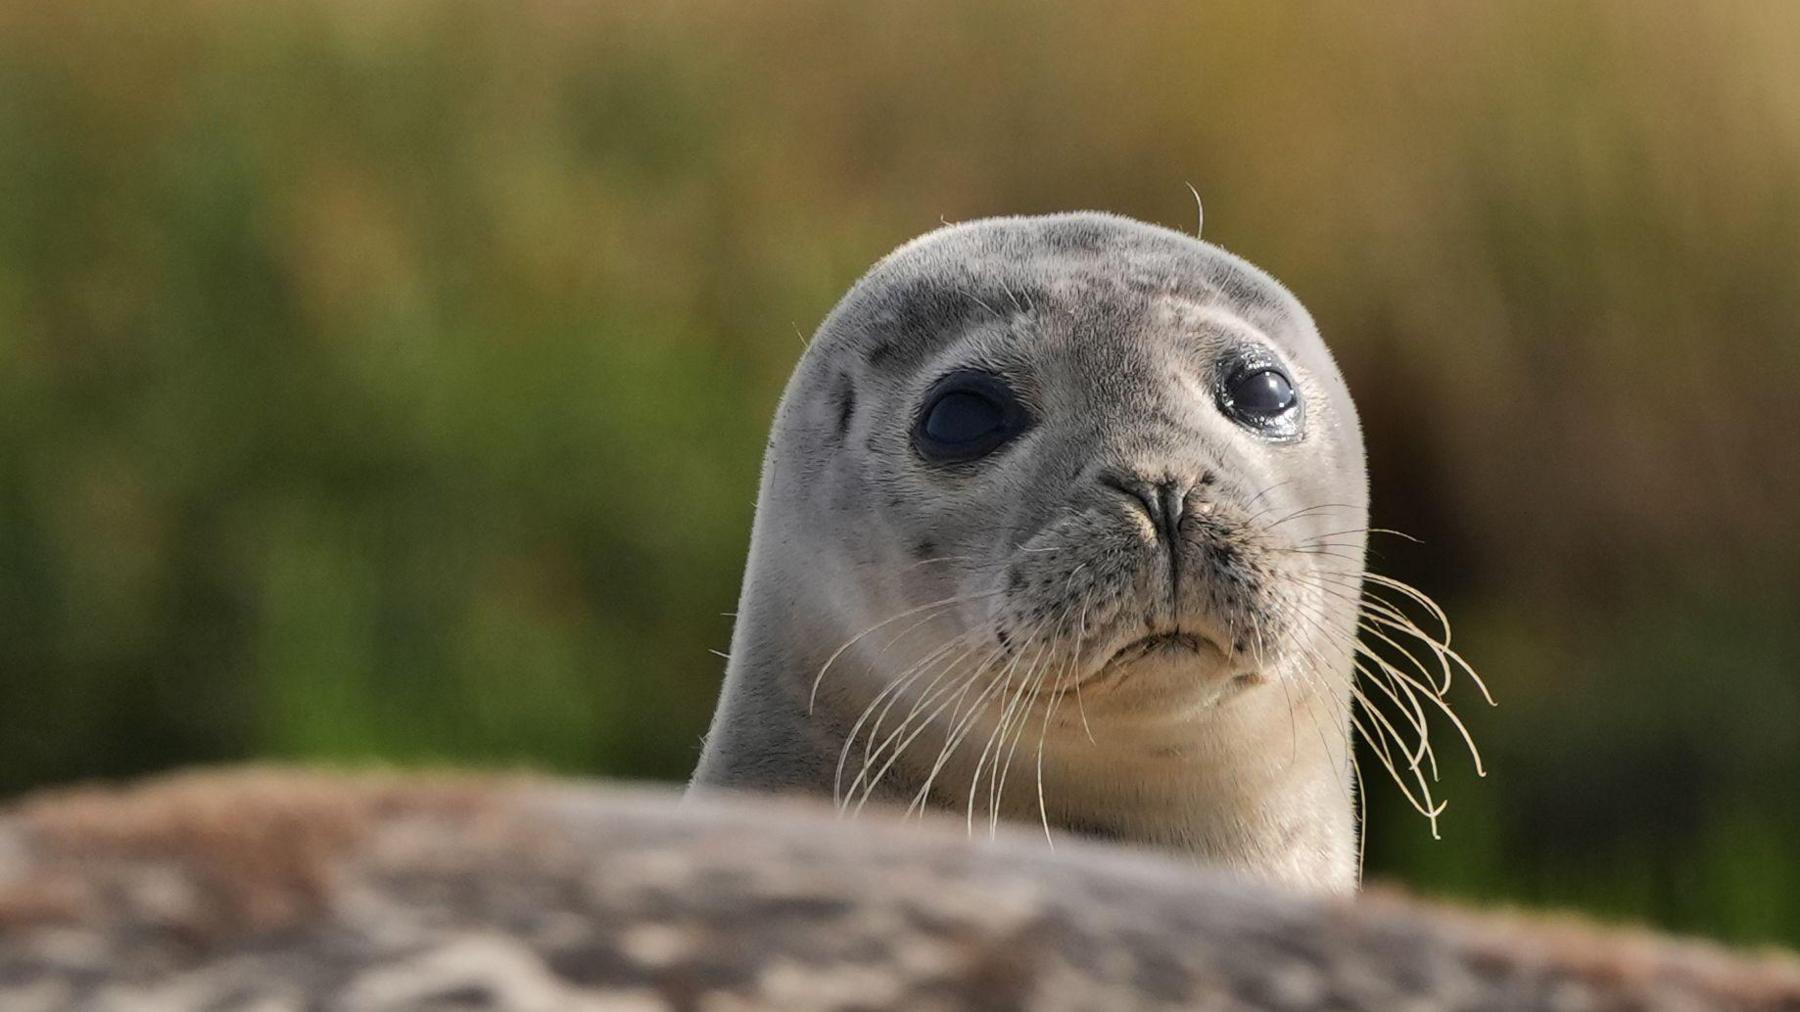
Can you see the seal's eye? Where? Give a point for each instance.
(1263, 392)
(1261, 397)
(967, 415)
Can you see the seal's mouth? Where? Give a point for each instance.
(1170, 660)
(1173, 643)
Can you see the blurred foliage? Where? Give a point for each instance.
(389, 381)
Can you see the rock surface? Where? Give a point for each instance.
(276, 890)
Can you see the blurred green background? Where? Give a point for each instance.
(389, 381)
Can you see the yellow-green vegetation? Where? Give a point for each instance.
(389, 380)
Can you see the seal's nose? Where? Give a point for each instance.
(1162, 501)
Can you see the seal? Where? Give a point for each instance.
(1063, 520)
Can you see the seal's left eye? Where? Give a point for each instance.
(1263, 392)
(1262, 398)
(967, 415)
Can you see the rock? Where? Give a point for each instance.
(268, 890)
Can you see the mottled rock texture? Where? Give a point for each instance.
(275, 890)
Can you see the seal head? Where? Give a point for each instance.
(1062, 520)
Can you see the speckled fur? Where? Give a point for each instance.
(1115, 334)
(281, 891)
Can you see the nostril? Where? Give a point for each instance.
(1146, 495)
(1174, 501)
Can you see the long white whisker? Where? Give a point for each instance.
(812, 699)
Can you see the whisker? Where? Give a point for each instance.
(1037, 684)
(1380, 622)
(1308, 510)
(1056, 698)
(962, 724)
(891, 693)
(1006, 693)
(934, 561)
(871, 776)
(947, 602)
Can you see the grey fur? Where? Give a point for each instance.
(1116, 333)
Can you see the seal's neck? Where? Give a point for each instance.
(766, 735)
(1265, 787)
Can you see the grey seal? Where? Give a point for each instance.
(1063, 520)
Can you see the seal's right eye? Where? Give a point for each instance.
(968, 415)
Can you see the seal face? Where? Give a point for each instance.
(1062, 519)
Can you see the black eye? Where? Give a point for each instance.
(968, 415)
(1261, 397)
(1263, 392)
(963, 416)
